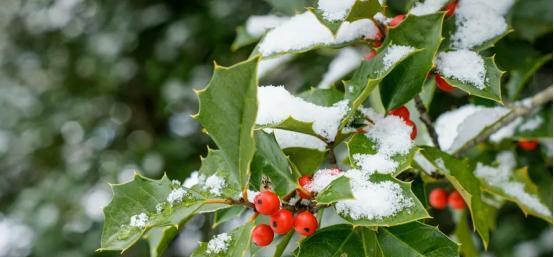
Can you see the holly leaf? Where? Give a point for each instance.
(337, 240)
(236, 247)
(361, 144)
(460, 174)
(295, 125)
(306, 161)
(368, 76)
(322, 96)
(225, 215)
(338, 189)
(147, 196)
(416, 239)
(361, 9)
(159, 239)
(542, 131)
(465, 236)
(413, 212)
(406, 80)
(520, 177)
(532, 19)
(491, 90)
(228, 107)
(270, 161)
(243, 39)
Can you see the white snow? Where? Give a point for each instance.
(321, 179)
(381, 18)
(194, 179)
(219, 244)
(506, 131)
(346, 61)
(139, 220)
(214, 184)
(334, 10)
(294, 200)
(251, 195)
(425, 164)
(16, 238)
(267, 65)
(176, 196)
(478, 21)
(289, 139)
(501, 177)
(276, 104)
(428, 7)
(175, 183)
(372, 200)
(391, 136)
(463, 65)
(257, 25)
(304, 31)
(456, 127)
(394, 53)
(531, 124)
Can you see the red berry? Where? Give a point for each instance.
(528, 145)
(378, 35)
(305, 223)
(370, 55)
(377, 43)
(397, 20)
(401, 112)
(442, 84)
(455, 201)
(438, 198)
(413, 135)
(267, 203)
(302, 181)
(451, 8)
(282, 221)
(262, 235)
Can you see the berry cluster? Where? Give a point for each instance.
(404, 114)
(439, 198)
(282, 220)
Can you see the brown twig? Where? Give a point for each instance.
(519, 109)
(424, 117)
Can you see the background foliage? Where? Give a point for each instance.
(92, 90)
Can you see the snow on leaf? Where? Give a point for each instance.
(513, 185)
(234, 243)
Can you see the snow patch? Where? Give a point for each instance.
(372, 200)
(214, 184)
(257, 25)
(463, 65)
(500, 177)
(531, 124)
(322, 178)
(194, 179)
(346, 61)
(290, 139)
(395, 53)
(334, 10)
(219, 244)
(139, 220)
(176, 196)
(276, 104)
(428, 7)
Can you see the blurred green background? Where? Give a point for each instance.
(91, 91)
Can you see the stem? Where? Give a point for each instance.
(253, 217)
(224, 201)
(424, 117)
(521, 108)
(332, 158)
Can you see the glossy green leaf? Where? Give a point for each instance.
(228, 107)
(159, 239)
(361, 144)
(406, 80)
(416, 239)
(270, 161)
(339, 189)
(292, 124)
(465, 236)
(322, 96)
(243, 39)
(367, 77)
(143, 195)
(225, 215)
(332, 241)
(492, 88)
(532, 19)
(461, 176)
(237, 247)
(306, 161)
(282, 246)
(412, 213)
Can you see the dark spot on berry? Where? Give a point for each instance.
(307, 229)
(259, 201)
(275, 223)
